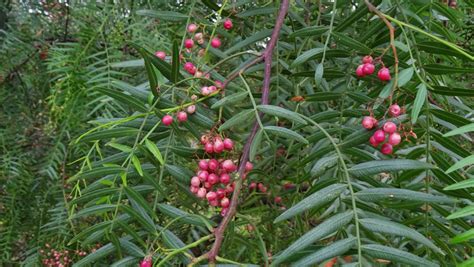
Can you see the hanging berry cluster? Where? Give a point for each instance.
(190, 68)
(387, 135)
(52, 257)
(368, 68)
(213, 180)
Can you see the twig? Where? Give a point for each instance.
(391, 29)
(267, 57)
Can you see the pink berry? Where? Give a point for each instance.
(204, 139)
(205, 90)
(373, 142)
(203, 175)
(229, 189)
(211, 196)
(212, 89)
(218, 146)
(193, 189)
(192, 28)
(368, 68)
(198, 36)
(228, 144)
(188, 65)
(216, 42)
(386, 149)
(213, 178)
(219, 84)
(191, 109)
(195, 181)
(203, 164)
(213, 164)
(220, 193)
(288, 186)
(224, 212)
(394, 110)
(384, 74)
(209, 148)
(379, 136)
(367, 59)
(182, 116)
(228, 24)
(394, 139)
(201, 192)
(248, 166)
(225, 202)
(389, 127)
(167, 120)
(252, 186)
(262, 188)
(368, 122)
(188, 43)
(360, 71)
(225, 178)
(277, 199)
(207, 185)
(161, 55)
(228, 165)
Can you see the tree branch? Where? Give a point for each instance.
(267, 57)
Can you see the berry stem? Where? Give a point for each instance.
(267, 56)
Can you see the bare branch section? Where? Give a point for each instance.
(267, 57)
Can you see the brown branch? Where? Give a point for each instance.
(267, 57)
(391, 29)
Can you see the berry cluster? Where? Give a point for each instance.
(367, 68)
(182, 116)
(146, 262)
(61, 258)
(389, 129)
(213, 177)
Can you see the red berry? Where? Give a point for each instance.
(212, 89)
(368, 68)
(211, 196)
(384, 74)
(228, 144)
(262, 188)
(252, 186)
(225, 178)
(224, 212)
(207, 185)
(386, 149)
(209, 147)
(373, 142)
(213, 178)
(220, 193)
(394, 110)
(182, 116)
(367, 59)
(195, 181)
(219, 84)
(277, 199)
(225, 202)
(389, 127)
(192, 28)
(193, 189)
(360, 71)
(216, 42)
(203, 175)
(248, 166)
(394, 139)
(160, 54)
(201, 192)
(191, 109)
(188, 65)
(203, 164)
(146, 262)
(188, 43)
(205, 90)
(228, 165)
(368, 122)
(379, 136)
(204, 139)
(198, 36)
(218, 146)
(167, 120)
(288, 186)
(228, 24)
(213, 164)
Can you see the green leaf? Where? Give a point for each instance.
(257, 11)
(335, 249)
(131, 248)
(175, 62)
(312, 31)
(396, 255)
(466, 211)
(137, 165)
(162, 15)
(123, 148)
(307, 55)
(461, 164)
(282, 113)
(230, 99)
(324, 96)
(110, 133)
(466, 236)
(129, 100)
(287, 133)
(344, 39)
(404, 77)
(461, 130)
(154, 150)
(451, 91)
(391, 165)
(174, 212)
(100, 253)
(467, 263)
(450, 117)
(461, 185)
(255, 144)
(180, 173)
(238, 119)
(143, 219)
(447, 12)
(438, 48)
(419, 102)
(315, 200)
(376, 194)
(319, 232)
(138, 200)
(324, 163)
(318, 74)
(249, 40)
(128, 64)
(393, 228)
(98, 172)
(438, 69)
(94, 210)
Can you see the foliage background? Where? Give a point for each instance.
(62, 66)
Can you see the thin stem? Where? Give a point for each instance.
(177, 251)
(330, 30)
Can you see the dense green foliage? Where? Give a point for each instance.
(86, 164)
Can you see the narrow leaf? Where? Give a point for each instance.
(419, 102)
(282, 113)
(466, 211)
(239, 118)
(230, 99)
(175, 62)
(461, 130)
(461, 185)
(287, 133)
(391, 165)
(375, 194)
(461, 164)
(396, 255)
(154, 150)
(335, 249)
